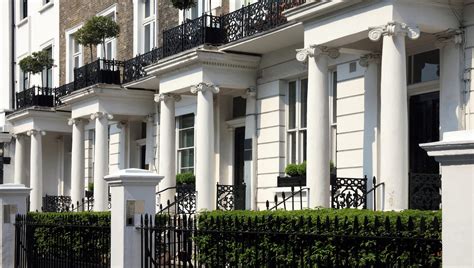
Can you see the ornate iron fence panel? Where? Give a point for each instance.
(35, 96)
(348, 192)
(99, 71)
(186, 197)
(135, 68)
(62, 91)
(425, 191)
(56, 203)
(230, 197)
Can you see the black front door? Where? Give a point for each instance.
(425, 181)
(239, 155)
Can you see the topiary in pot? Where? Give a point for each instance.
(292, 170)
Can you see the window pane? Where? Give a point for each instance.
(108, 50)
(186, 158)
(292, 147)
(24, 10)
(304, 101)
(147, 37)
(303, 144)
(186, 121)
(186, 138)
(239, 105)
(76, 62)
(426, 66)
(292, 105)
(147, 8)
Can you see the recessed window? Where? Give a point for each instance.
(24, 80)
(186, 143)
(297, 119)
(148, 25)
(423, 67)
(239, 106)
(48, 73)
(23, 9)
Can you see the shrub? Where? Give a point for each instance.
(85, 235)
(326, 237)
(302, 169)
(291, 170)
(185, 178)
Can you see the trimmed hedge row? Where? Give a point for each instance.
(83, 236)
(321, 237)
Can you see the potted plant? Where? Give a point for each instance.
(185, 182)
(34, 64)
(94, 32)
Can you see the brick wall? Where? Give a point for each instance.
(75, 12)
(168, 17)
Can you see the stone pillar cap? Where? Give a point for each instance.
(14, 189)
(455, 146)
(133, 176)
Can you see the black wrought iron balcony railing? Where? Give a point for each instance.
(134, 68)
(99, 71)
(35, 96)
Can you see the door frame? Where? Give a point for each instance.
(232, 125)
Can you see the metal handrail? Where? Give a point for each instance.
(293, 194)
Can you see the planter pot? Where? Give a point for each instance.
(110, 77)
(214, 36)
(289, 181)
(43, 100)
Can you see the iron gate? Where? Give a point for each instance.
(230, 197)
(348, 192)
(425, 191)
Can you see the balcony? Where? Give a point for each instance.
(35, 97)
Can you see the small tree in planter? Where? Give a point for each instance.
(95, 31)
(30, 65)
(183, 5)
(42, 58)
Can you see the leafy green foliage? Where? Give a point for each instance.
(292, 170)
(185, 178)
(183, 4)
(302, 169)
(95, 31)
(87, 234)
(347, 238)
(36, 63)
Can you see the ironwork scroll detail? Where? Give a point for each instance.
(230, 197)
(425, 191)
(348, 192)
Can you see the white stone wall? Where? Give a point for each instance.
(114, 149)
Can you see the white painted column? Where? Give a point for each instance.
(149, 144)
(451, 86)
(317, 150)
(455, 153)
(250, 147)
(101, 160)
(167, 162)
(394, 113)
(36, 169)
(371, 111)
(12, 202)
(20, 174)
(133, 192)
(230, 156)
(123, 148)
(205, 181)
(77, 160)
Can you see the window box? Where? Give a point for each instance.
(214, 35)
(289, 181)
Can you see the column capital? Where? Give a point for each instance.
(394, 28)
(455, 37)
(367, 59)
(122, 124)
(316, 51)
(33, 132)
(250, 92)
(75, 121)
(18, 135)
(203, 86)
(100, 115)
(167, 96)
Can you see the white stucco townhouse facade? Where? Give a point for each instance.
(357, 83)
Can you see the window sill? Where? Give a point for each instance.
(22, 22)
(46, 7)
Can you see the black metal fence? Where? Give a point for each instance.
(59, 244)
(230, 197)
(184, 200)
(99, 71)
(63, 203)
(268, 242)
(35, 96)
(134, 69)
(425, 191)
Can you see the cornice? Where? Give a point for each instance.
(312, 10)
(108, 91)
(28, 113)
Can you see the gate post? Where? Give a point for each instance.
(455, 153)
(12, 202)
(133, 194)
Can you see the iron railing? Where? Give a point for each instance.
(62, 91)
(230, 197)
(62, 244)
(291, 202)
(184, 200)
(35, 96)
(56, 203)
(134, 68)
(270, 241)
(425, 191)
(99, 71)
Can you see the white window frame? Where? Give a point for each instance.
(298, 130)
(178, 149)
(70, 55)
(148, 21)
(112, 10)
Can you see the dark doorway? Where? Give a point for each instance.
(239, 140)
(425, 181)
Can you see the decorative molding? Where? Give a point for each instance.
(74, 121)
(251, 92)
(203, 86)
(369, 58)
(316, 51)
(18, 135)
(122, 124)
(33, 132)
(393, 28)
(167, 96)
(455, 36)
(100, 115)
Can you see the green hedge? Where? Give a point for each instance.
(321, 238)
(83, 235)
